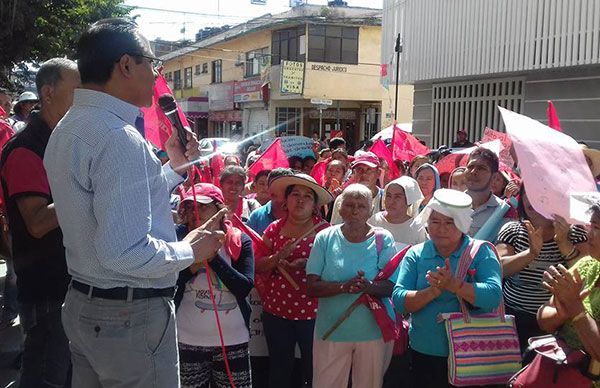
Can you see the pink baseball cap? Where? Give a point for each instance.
(366, 158)
(205, 194)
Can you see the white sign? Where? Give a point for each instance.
(321, 101)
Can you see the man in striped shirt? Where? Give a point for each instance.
(112, 201)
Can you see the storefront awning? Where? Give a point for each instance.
(195, 107)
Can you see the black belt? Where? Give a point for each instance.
(121, 293)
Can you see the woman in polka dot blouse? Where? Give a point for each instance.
(289, 314)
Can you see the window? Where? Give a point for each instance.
(288, 121)
(472, 105)
(256, 61)
(187, 78)
(177, 79)
(286, 45)
(217, 67)
(197, 70)
(333, 44)
(169, 76)
(204, 68)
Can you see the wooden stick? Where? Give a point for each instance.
(288, 277)
(342, 318)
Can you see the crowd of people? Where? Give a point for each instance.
(132, 270)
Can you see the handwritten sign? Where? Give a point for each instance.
(294, 146)
(552, 165)
(292, 77)
(505, 157)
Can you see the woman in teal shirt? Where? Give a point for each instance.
(342, 265)
(427, 287)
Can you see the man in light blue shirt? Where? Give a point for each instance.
(112, 201)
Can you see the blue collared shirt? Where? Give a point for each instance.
(426, 334)
(112, 197)
(261, 218)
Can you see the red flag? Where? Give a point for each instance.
(157, 127)
(379, 149)
(553, 121)
(273, 157)
(384, 70)
(319, 169)
(405, 146)
(216, 166)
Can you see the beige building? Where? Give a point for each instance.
(231, 83)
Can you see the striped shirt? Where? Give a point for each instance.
(112, 197)
(524, 290)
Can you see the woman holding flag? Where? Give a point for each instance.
(220, 287)
(342, 269)
(289, 313)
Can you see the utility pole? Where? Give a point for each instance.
(398, 50)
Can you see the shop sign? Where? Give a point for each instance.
(329, 68)
(292, 77)
(333, 114)
(226, 116)
(248, 90)
(220, 96)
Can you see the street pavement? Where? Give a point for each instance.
(10, 344)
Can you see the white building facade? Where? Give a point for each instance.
(465, 57)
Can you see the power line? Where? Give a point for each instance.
(134, 7)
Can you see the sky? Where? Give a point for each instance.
(197, 14)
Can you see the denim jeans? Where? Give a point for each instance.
(120, 343)
(282, 336)
(46, 358)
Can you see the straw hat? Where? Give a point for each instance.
(594, 156)
(280, 184)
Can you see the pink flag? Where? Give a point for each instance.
(553, 117)
(157, 127)
(379, 149)
(405, 146)
(273, 157)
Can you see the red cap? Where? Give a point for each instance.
(366, 158)
(205, 193)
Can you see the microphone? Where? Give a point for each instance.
(169, 107)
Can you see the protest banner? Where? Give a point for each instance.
(293, 145)
(505, 157)
(552, 165)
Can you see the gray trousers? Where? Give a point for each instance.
(118, 343)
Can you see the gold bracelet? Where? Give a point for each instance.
(579, 316)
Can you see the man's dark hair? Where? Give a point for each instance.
(262, 173)
(489, 156)
(103, 44)
(50, 72)
(276, 173)
(336, 142)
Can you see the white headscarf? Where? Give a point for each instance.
(451, 203)
(413, 193)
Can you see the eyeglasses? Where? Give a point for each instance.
(154, 62)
